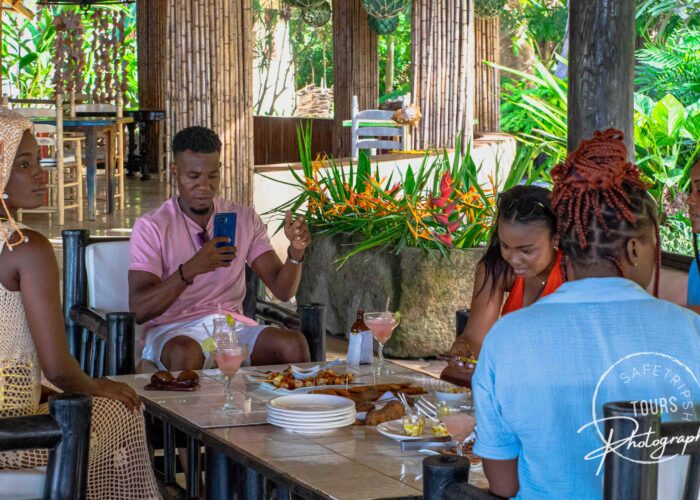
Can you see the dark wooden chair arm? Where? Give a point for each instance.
(65, 432)
(116, 330)
(447, 477)
(465, 491)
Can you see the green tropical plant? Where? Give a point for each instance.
(28, 52)
(667, 138)
(437, 206)
(671, 66)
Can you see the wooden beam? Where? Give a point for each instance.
(18, 6)
(601, 69)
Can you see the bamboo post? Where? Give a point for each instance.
(442, 61)
(60, 195)
(487, 100)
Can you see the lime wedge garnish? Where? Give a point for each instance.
(230, 320)
(209, 345)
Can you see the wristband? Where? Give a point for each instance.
(292, 259)
(182, 276)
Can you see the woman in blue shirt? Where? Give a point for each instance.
(541, 368)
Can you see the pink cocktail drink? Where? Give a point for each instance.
(229, 360)
(229, 357)
(460, 425)
(382, 325)
(382, 328)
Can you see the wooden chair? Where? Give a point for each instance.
(64, 166)
(66, 432)
(374, 137)
(95, 333)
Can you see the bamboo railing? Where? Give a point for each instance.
(443, 71)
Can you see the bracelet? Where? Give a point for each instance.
(292, 259)
(182, 276)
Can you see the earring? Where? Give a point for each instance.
(555, 248)
(636, 264)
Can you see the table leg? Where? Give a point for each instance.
(110, 167)
(131, 160)
(219, 478)
(91, 164)
(143, 151)
(168, 453)
(193, 467)
(252, 484)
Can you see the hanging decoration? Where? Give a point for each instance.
(383, 9)
(317, 16)
(489, 8)
(109, 55)
(70, 57)
(383, 26)
(304, 4)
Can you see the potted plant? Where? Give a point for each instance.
(414, 236)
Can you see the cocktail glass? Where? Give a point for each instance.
(460, 424)
(382, 325)
(229, 357)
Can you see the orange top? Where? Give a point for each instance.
(515, 297)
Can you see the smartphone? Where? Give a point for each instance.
(225, 225)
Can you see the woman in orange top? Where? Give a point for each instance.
(522, 260)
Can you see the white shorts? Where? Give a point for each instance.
(157, 337)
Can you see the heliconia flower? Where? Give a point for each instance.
(452, 227)
(442, 219)
(394, 189)
(439, 202)
(446, 185)
(450, 208)
(446, 239)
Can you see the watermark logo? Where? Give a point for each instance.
(654, 384)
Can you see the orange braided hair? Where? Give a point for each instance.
(601, 201)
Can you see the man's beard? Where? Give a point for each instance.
(200, 211)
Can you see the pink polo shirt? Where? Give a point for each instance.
(165, 238)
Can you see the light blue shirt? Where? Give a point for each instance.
(537, 374)
(694, 284)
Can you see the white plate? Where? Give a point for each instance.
(313, 426)
(311, 420)
(318, 404)
(284, 392)
(394, 430)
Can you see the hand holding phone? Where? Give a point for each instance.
(225, 226)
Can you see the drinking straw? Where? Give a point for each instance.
(220, 313)
(387, 303)
(206, 329)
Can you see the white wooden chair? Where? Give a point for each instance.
(64, 166)
(369, 137)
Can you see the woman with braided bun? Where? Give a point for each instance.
(32, 338)
(541, 367)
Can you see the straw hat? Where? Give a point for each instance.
(12, 128)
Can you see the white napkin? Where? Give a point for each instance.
(367, 352)
(354, 356)
(381, 403)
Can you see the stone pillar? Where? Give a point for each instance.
(355, 67)
(601, 69)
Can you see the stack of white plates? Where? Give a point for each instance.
(311, 413)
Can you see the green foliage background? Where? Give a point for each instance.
(28, 51)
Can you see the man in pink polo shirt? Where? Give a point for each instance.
(178, 278)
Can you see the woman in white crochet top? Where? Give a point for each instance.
(32, 337)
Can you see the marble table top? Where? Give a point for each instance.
(352, 462)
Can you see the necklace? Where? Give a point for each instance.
(187, 229)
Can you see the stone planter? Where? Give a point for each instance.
(427, 290)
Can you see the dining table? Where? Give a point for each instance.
(90, 126)
(245, 455)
